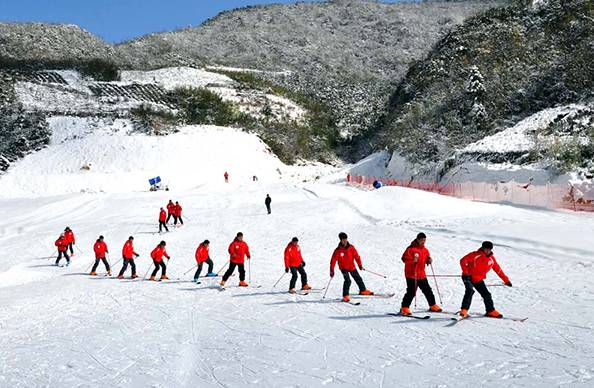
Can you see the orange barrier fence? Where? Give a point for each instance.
(551, 196)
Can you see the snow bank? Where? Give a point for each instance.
(171, 78)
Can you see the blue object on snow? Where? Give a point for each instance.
(211, 274)
(377, 184)
(154, 181)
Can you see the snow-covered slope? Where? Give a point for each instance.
(61, 328)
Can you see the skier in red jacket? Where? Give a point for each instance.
(128, 255)
(157, 255)
(475, 267)
(415, 258)
(294, 262)
(226, 175)
(203, 256)
(100, 249)
(170, 210)
(178, 214)
(238, 250)
(346, 255)
(62, 244)
(163, 220)
(69, 235)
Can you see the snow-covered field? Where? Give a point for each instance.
(61, 328)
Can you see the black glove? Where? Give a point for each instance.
(303, 263)
(137, 255)
(466, 278)
(508, 283)
(286, 269)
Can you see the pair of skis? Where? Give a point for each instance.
(386, 296)
(455, 319)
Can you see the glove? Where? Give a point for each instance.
(466, 278)
(361, 268)
(331, 274)
(286, 269)
(508, 283)
(303, 263)
(429, 261)
(137, 255)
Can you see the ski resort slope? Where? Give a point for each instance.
(61, 328)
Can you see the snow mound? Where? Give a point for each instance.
(171, 78)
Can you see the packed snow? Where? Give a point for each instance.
(63, 328)
(172, 78)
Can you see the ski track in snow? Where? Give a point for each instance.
(61, 328)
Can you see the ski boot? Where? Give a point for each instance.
(346, 298)
(305, 288)
(463, 313)
(366, 292)
(494, 314)
(292, 291)
(164, 277)
(132, 277)
(435, 309)
(405, 311)
(93, 273)
(242, 284)
(153, 278)
(211, 275)
(120, 277)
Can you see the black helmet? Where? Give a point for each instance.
(487, 245)
(342, 236)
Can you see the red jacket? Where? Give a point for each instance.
(62, 244)
(128, 250)
(69, 235)
(346, 257)
(238, 250)
(416, 270)
(293, 256)
(177, 210)
(478, 264)
(162, 216)
(158, 253)
(171, 208)
(100, 249)
(202, 253)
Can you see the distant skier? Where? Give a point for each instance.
(69, 234)
(157, 255)
(163, 220)
(178, 214)
(475, 267)
(128, 255)
(100, 249)
(226, 175)
(294, 262)
(238, 250)
(268, 202)
(415, 258)
(62, 244)
(170, 210)
(346, 255)
(203, 256)
(255, 178)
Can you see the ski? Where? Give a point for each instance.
(386, 296)
(409, 316)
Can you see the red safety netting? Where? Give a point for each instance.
(577, 197)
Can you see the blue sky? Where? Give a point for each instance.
(119, 20)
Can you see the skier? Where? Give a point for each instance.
(267, 202)
(62, 244)
(226, 175)
(475, 267)
(294, 262)
(69, 234)
(100, 249)
(238, 250)
(157, 256)
(128, 255)
(346, 255)
(415, 258)
(203, 256)
(178, 213)
(163, 220)
(170, 210)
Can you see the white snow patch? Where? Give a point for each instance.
(175, 77)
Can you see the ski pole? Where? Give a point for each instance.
(250, 270)
(446, 276)
(190, 269)
(496, 285)
(76, 246)
(436, 286)
(278, 281)
(147, 271)
(416, 283)
(222, 268)
(375, 273)
(89, 267)
(327, 287)
(53, 254)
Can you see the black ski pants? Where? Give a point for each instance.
(178, 218)
(347, 281)
(159, 265)
(230, 270)
(411, 291)
(104, 260)
(60, 254)
(71, 247)
(294, 271)
(125, 266)
(481, 287)
(163, 224)
(199, 269)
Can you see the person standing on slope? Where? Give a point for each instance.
(62, 245)
(163, 220)
(69, 234)
(415, 258)
(157, 255)
(226, 175)
(475, 267)
(203, 256)
(238, 250)
(178, 214)
(170, 210)
(268, 202)
(346, 255)
(128, 255)
(294, 262)
(100, 249)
